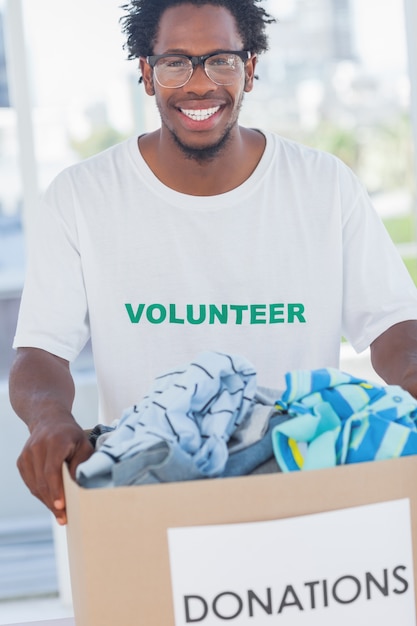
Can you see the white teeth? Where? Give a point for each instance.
(200, 115)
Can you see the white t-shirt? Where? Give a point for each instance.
(275, 270)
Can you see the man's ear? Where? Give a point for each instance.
(250, 72)
(147, 76)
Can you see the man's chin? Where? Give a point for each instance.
(202, 154)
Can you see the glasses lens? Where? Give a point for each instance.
(225, 68)
(173, 71)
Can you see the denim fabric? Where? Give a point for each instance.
(164, 462)
(252, 429)
(246, 461)
(167, 462)
(269, 467)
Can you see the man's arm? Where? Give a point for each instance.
(394, 355)
(42, 393)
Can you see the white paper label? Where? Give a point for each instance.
(350, 567)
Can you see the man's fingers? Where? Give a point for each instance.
(60, 512)
(82, 453)
(59, 504)
(40, 464)
(42, 476)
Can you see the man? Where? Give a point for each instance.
(200, 235)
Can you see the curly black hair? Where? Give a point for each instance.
(140, 24)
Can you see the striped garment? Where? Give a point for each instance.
(196, 408)
(338, 419)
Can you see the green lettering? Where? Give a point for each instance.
(296, 311)
(173, 319)
(134, 317)
(239, 308)
(210, 313)
(276, 314)
(257, 313)
(190, 311)
(150, 313)
(216, 313)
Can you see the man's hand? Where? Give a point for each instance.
(42, 393)
(394, 355)
(51, 443)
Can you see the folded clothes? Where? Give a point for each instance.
(337, 418)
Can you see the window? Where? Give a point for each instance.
(11, 235)
(336, 78)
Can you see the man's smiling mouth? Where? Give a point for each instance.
(200, 115)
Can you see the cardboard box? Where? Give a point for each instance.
(117, 538)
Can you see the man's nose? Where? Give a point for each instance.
(199, 80)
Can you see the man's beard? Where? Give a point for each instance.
(204, 154)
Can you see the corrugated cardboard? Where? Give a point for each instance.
(117, 538)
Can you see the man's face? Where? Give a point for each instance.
(192, 30)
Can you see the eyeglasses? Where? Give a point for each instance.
(175, 70)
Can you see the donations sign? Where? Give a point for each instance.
(351, 566)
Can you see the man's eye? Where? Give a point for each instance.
(222, 61)
(176, 63)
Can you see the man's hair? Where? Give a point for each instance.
(140, 24)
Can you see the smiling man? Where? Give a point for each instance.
(201, 235)
(199, 97)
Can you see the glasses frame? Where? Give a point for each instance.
(152, 60)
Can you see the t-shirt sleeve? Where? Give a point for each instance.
(378, 290)
(53, 313)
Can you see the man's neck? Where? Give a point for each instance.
(187, 174)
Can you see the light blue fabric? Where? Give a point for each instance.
(197, 408)
(338, 418)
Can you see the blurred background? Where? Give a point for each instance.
(340, 75)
